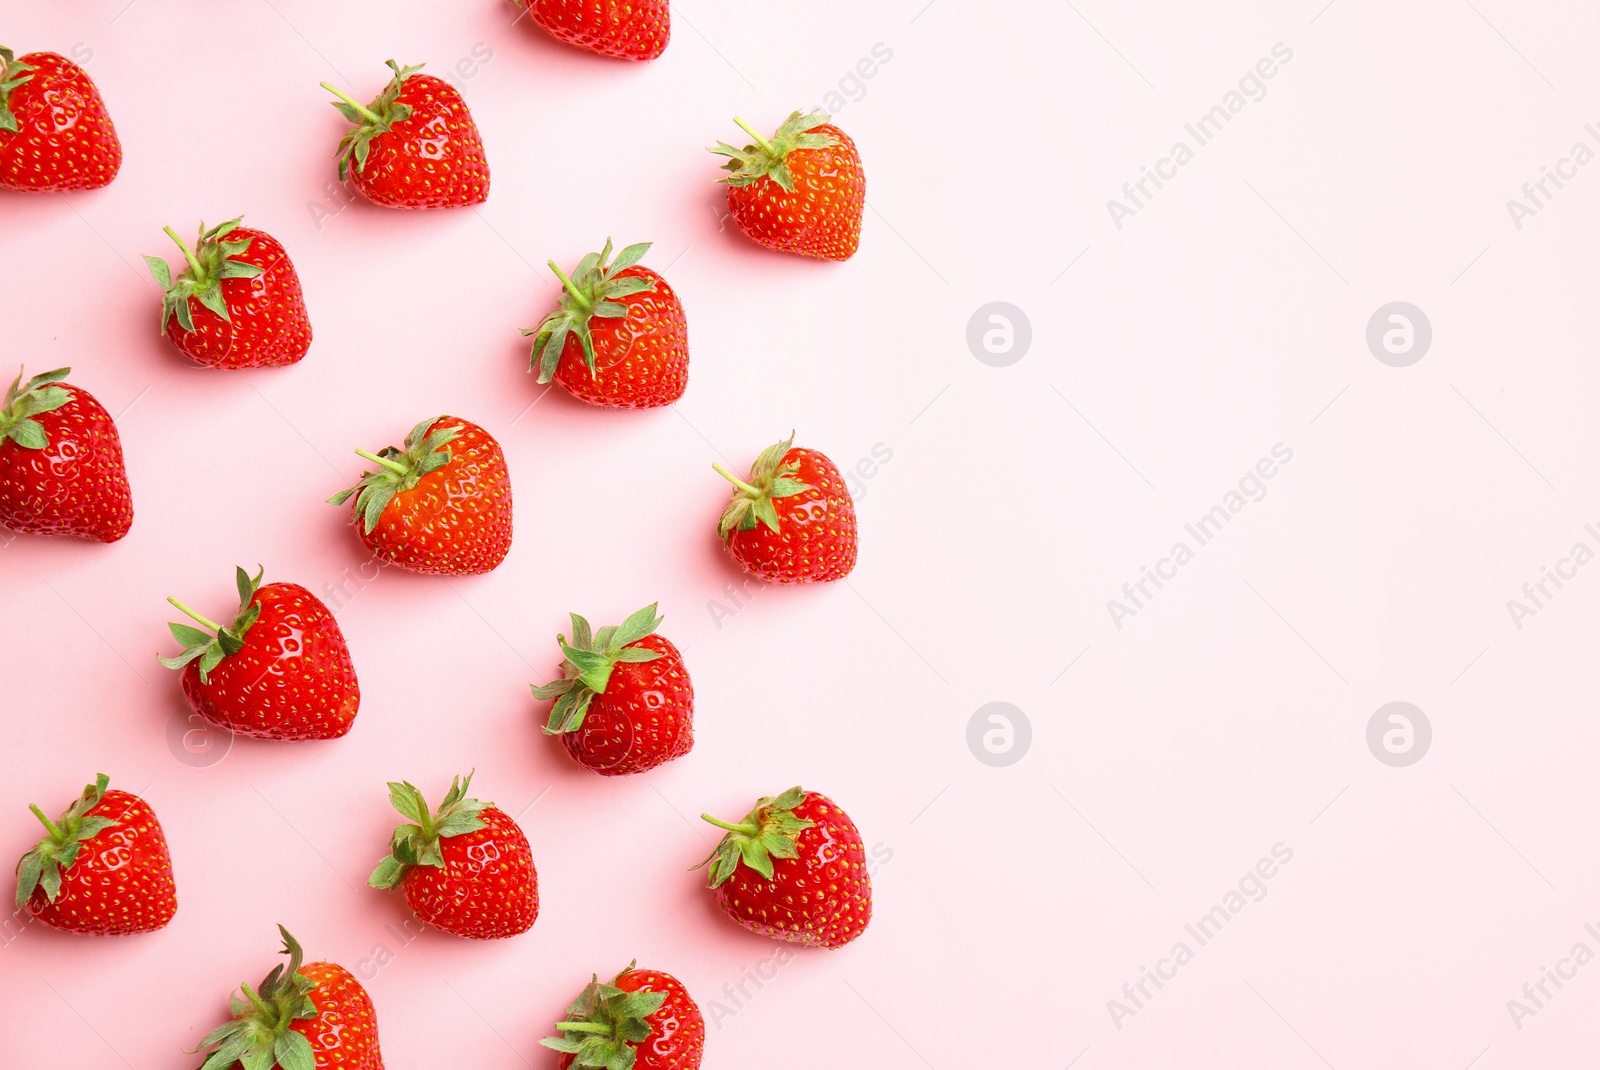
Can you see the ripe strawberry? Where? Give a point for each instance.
(281, 670)
(618, 339)
(416, 146)
(624, 703)
(643, 1020)
(61, 470)
(794, 521)
(795, 870)
(54, 130)
(311, 1017)
(467, 869)
(440, 506)
(238, 304)
(621, 29)
(103, 868)
(801, 192)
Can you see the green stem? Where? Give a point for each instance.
(571, 287)
(748, 830)
(195, 270)
(55, 833)
(393, 466)
(192, 615)
(761, 141)
(364, 111)
(736, 481)
(582, 1027)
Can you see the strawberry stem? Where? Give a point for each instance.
(571, 287)
(393, 466)
(748, 830)
(195, 270)
(55, 833)
(736, 481)
(192, 615)
(365, 111)
(761, 141)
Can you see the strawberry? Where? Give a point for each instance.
(801, 192)
(467, 869)
(624, 703)
(281, 670)
(621, 29)
(304, 1017)
(103, 867)
(618, 338)
(61, 470)
(440, 506)
(55, 133)
(416, 146)
(643, 1020)
(794, 521)
(238, 304)
(795, 870)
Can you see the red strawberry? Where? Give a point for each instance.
(103, 868)
(618, 339)
(644, 1020)
(624, 703)
(801, 192)
(311, 1017)
(795, 870)
(61, 470)
(416, 146)
(440, 506)
(467, 869)
(794, 521)
(281, 670)
(54, 130)
(238, 304)
(621, 29)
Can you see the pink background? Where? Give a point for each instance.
(1168, 356)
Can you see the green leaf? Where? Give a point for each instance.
(629, 256)
(582, 636)
(212, 299)
(190, 636)
(29, 434)
(162, 273)
(609, 310)
(638, 625)
(293, 1052)
(784, 487)
(637, 655)
(627, 287)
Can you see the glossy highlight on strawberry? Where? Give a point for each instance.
(237, 303)
(624, 703)
(61, 467)
(280, 670)
(55, 133)
(802, 191)
(310, 1016)
(466, 869)
(415, 146)
(439, 505)
(103, 867)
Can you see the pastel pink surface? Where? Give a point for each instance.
(1169, 354)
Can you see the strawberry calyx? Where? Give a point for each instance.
(398, 469)
(260, 1033)
(767, 832)
(209, 262)
(589, 661)
(593, 290)
(26, 400)
(768, 157)
(417, 843)
(42, 867)
(372, 119)
(216, 641)
(604, 1023)
(13, 72)
(752, 501)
